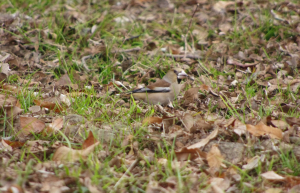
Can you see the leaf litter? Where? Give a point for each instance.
(67, 123)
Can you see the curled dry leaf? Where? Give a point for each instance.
(191, 154)
(272, 176)
(13, 144)
(50, 105)
(63, 98)
(239, 128)
(203, 142)
(252, 163)
(221, 6)
(66, 154)
(90, 140)
(261, 129)
(4, 146)
(56, 125)
(151, 120)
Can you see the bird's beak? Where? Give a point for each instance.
(182, 75)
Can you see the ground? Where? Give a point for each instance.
(69, 124)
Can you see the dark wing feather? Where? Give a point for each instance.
(147, 90)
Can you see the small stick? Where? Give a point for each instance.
(192, 18)
(127, 50)
(84, 63)
(127, 171)
(185, 36)
(187, 56)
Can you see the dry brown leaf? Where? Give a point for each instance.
(66, 81)
(203, 142)
(261, 129)
(90, 140)
(220, 6)
(30, 125)
(214, 159)
(252, 163)
(185, 154)
(191, 95)
(6, 100)
(66, 154)
(10, 88)
(55, 126)
(293, 121)
(37, 146)
(274, 190)
(201, 124)
(151, 120)
(11, 112)
(4, 146)
(14, 144)
(50, 105)
(219, 184)
(34, 109)
(188, 121)
(272, 176)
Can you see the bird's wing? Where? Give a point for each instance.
(156, 87)
(155, 90)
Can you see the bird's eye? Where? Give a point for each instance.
(175, 71)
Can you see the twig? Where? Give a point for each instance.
(84, 63)
(236, 63)
(127, 171)
(185, 36)
(192, 18)
(127, 50)
(187, 56)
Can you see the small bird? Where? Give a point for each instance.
(163, 91)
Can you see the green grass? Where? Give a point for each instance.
(67, 42)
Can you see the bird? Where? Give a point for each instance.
(162, 91)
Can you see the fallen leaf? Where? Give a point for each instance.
(55, 126)
(90, 140)
(261, 129)
(6, 100)
(151, 120)
(203, 142)
(14, 144)
(66, 154)
(4, 146)
(188, 121)
(219, 184)
(214, 159)
(200, 124)
(185, 154)
(30, 125)
(272, 176)
(50, 105)
(34, 109)
(252, 163)
(190, 95)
